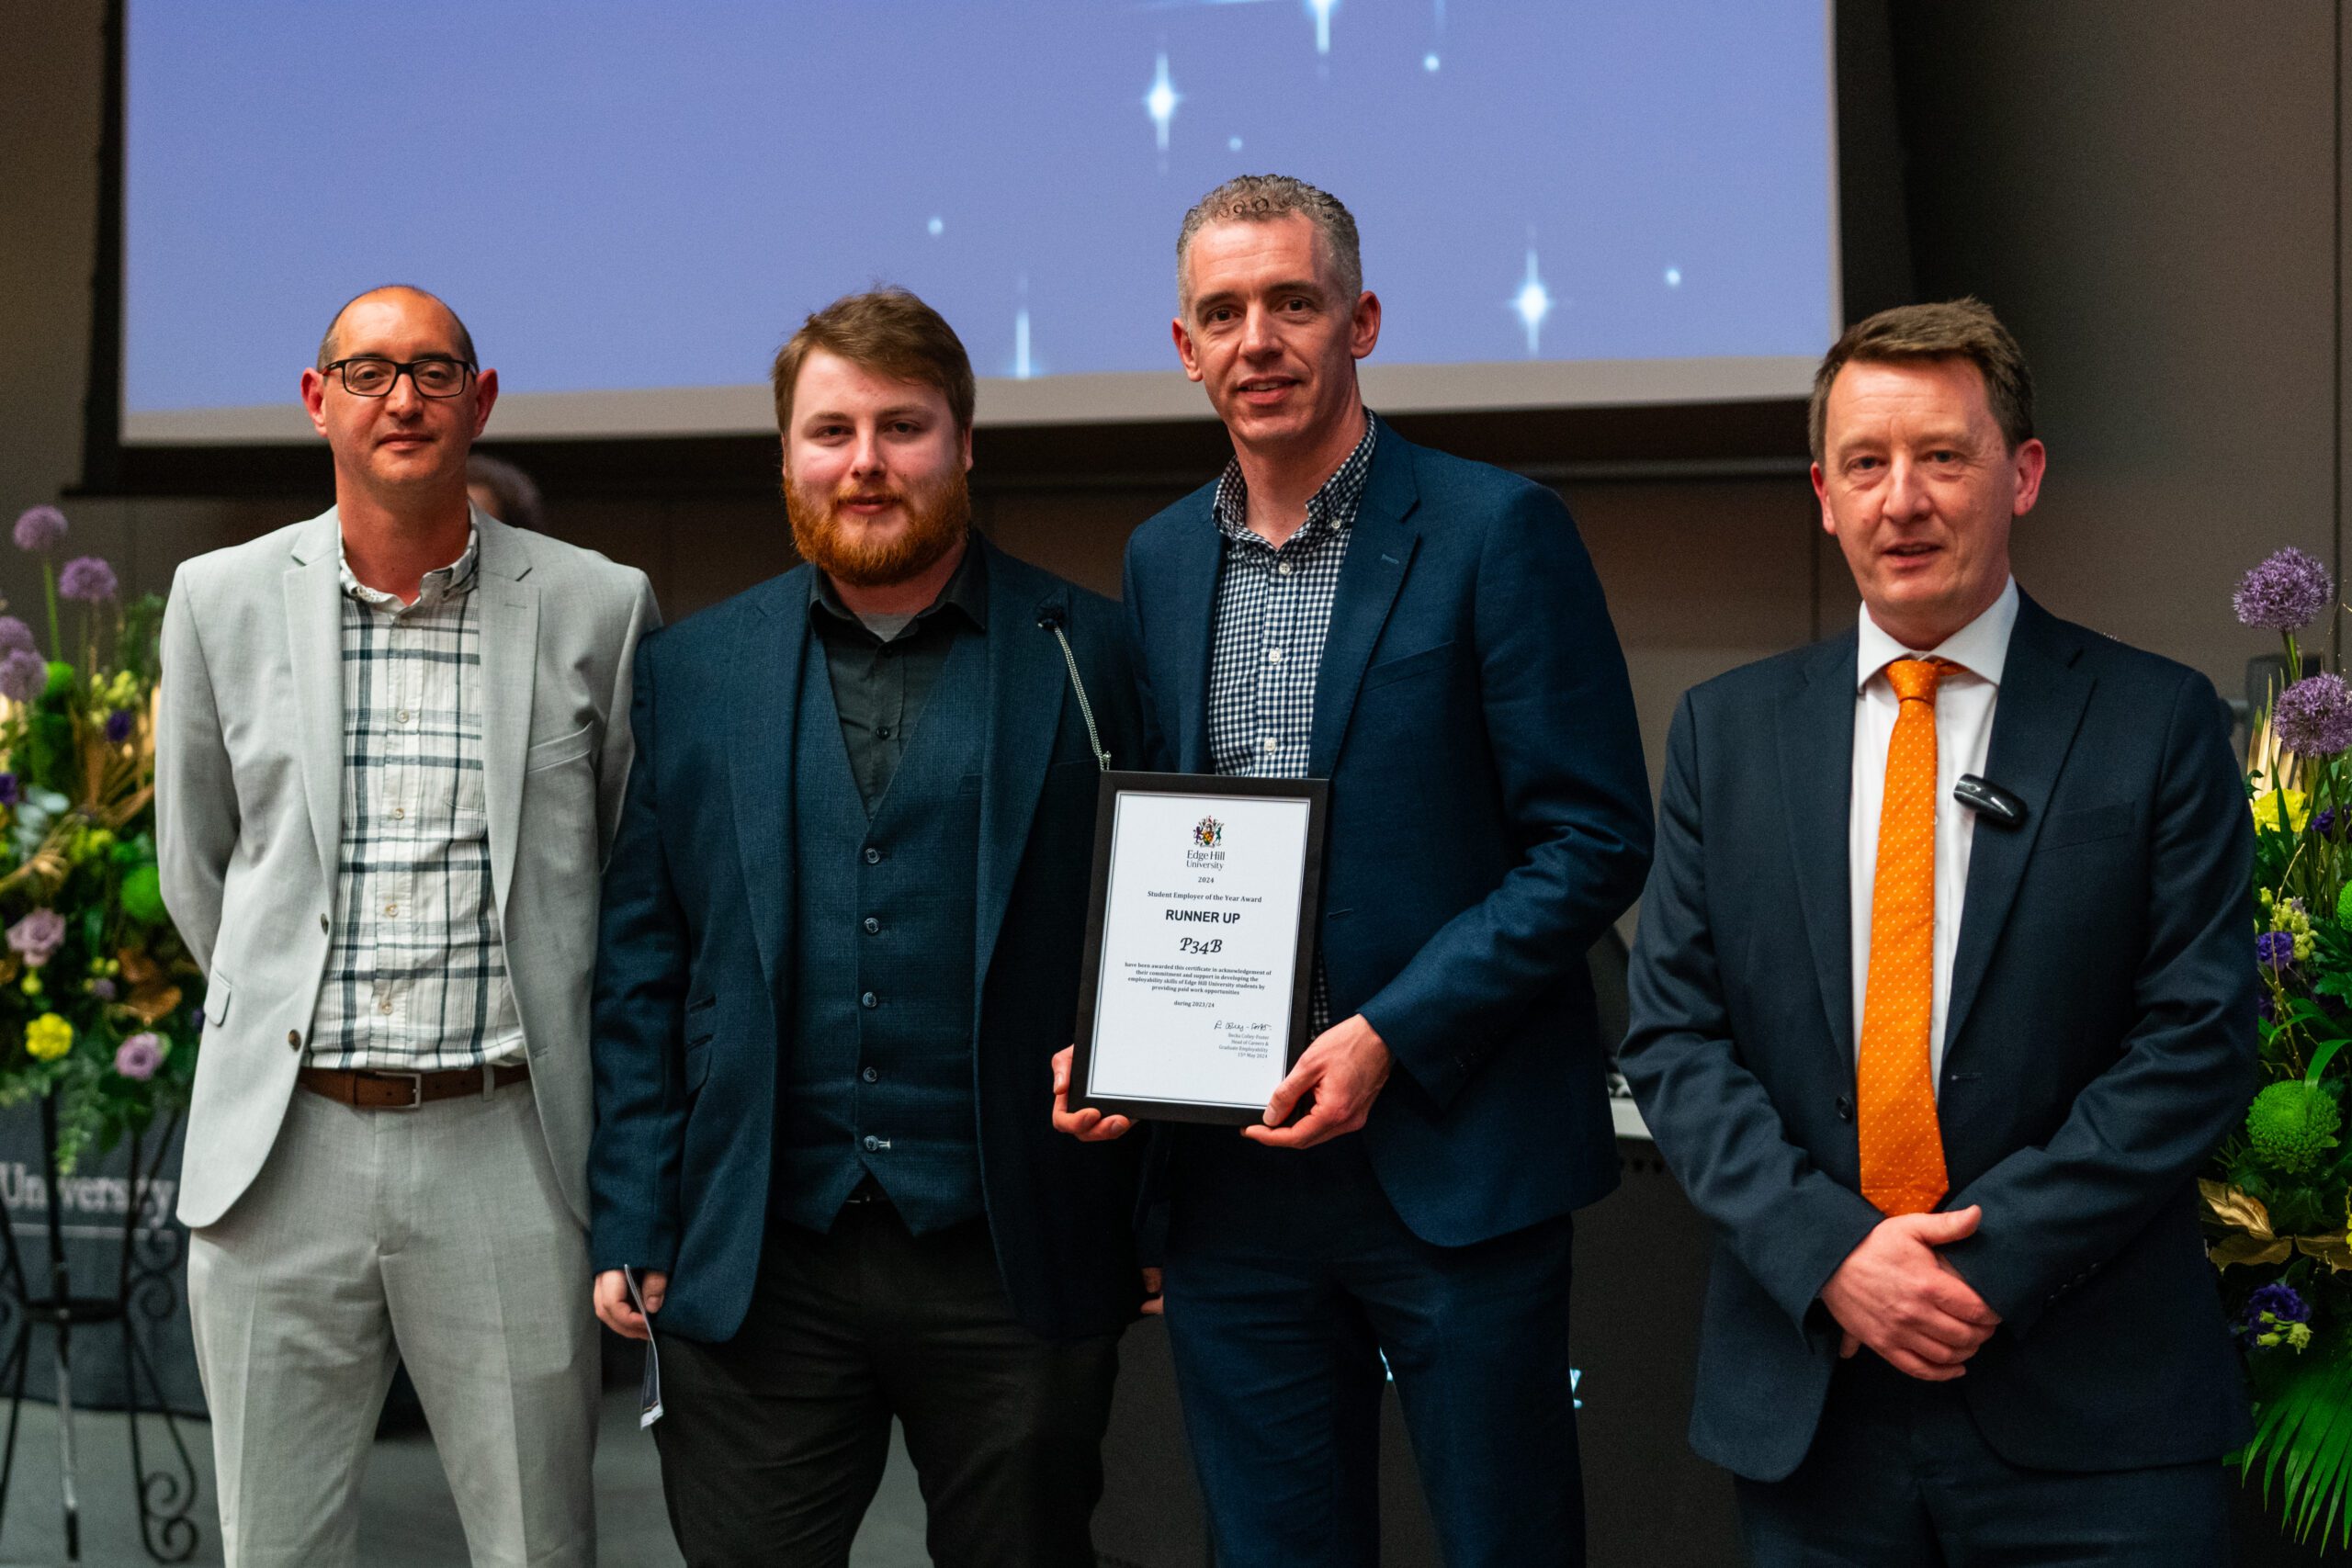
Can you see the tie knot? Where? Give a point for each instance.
(1914, 680)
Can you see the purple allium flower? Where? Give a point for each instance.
(24, 675)
(2285, 594)
(2326, 821)
(118, 726)
(39, 528)
(139, 1056)
(38, 936)
(86, 578)
(2313, 717)
(104, 989)
(15, 634)
(2275, 951)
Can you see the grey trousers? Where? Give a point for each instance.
(435, 1235)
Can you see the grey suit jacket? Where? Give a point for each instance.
(248, 808)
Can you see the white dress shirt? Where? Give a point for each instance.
(1964, 703)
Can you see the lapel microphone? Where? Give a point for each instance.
(1989, 800)
(1052, 618)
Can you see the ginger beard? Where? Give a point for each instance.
(855, 552)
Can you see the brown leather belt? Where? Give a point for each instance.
(406, 1091)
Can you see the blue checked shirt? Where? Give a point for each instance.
(416, 976)
(1272, 615)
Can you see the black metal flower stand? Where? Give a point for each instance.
(145, 1296)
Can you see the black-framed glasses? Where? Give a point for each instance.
(369, 375)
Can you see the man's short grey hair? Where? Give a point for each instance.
(1262, 198)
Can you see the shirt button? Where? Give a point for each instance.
(383, 1004)
(872, 1143)
(873, 857)
(869, 1000)
(392, 909)
(1273, 656)
(1845, 1108)
(872, 1075)
(1283, 569)
(873, 926)
(294, 1038)
(883, 733)
(402, 715)
(1268, 743)
(399, 812)
(322, 922)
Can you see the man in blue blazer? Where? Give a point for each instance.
(1429, 634)
(842, 933)
(1959, 1310)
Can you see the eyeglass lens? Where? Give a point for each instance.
(374, 378)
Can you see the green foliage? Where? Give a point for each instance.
(2303, 1439)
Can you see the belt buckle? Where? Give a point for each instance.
(415, 1089)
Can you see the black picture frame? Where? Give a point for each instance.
(1316, 794)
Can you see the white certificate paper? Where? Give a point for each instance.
(1197, 970)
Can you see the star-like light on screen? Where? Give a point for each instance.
(1321, 11)
(1161, 104)
(1533, 302)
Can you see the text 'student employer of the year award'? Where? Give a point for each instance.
(1201, 943)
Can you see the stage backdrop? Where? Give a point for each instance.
(1563, 201)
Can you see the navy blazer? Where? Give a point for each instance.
(1490, 817)
(2100, 1040)
(691, 1005)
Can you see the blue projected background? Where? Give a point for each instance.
(619, 195)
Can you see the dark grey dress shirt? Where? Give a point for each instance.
(879, 686)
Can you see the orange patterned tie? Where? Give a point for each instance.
(1901, 1147)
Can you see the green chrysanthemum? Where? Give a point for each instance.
(2293, 1124)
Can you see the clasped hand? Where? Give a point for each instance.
(1896, 1294)
(617, 1313)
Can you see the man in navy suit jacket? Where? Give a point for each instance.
(1429, 634)
(2032, 1366)
(842, 934)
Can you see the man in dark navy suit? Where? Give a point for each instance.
(1429, 634)
(841, 944)
(1940, 1058)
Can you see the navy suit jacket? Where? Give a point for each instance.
(2101, 1041)
(691, 1004)
(1490, 817)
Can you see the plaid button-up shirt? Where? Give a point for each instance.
(416, 975)
(1272, 617)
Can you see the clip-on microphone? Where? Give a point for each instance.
(1989, 800)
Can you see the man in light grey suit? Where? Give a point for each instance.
(389, 762)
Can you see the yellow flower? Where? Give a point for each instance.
(49, 1037)
(2277, 808)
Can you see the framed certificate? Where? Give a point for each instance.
(1199, 951)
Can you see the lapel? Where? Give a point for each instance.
(509, 610)
(1191, 590)
(2040, 709)
(1379, 552)
(314, 590)
(1816, 742)
(771, 661)
(1026, 678)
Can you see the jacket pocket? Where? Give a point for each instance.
(2091, 822)
(1390, 671)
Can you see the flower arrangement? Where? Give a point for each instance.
(99, 1001)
